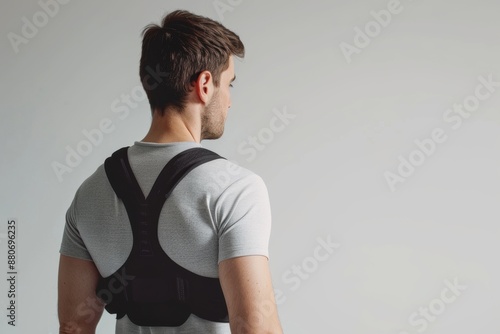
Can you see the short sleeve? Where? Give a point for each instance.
(244, 215)
(72, 243)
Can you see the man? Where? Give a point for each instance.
(215, 223)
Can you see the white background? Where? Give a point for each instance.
(325, 171)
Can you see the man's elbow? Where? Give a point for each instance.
(72, 327)
(255, 325)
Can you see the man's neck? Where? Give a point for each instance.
(173, 127)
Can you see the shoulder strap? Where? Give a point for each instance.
(177, 168)
(125, 184)
(120, 175)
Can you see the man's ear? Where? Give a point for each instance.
(204, 86)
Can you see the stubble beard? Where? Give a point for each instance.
(212, 120)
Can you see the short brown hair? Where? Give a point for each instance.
(175, 53)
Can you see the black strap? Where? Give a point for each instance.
(144, 212)
(179, 167)
(118, 170)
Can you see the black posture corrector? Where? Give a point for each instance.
(161, 292)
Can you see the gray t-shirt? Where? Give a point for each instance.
(218, 211)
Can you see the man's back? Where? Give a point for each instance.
(218, 211)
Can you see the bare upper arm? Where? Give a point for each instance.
(247, 286)
(79, 309)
